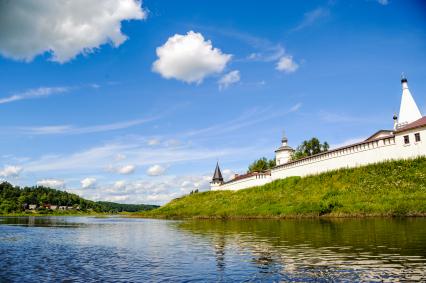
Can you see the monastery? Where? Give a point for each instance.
(406, 140)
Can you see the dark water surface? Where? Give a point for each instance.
(87, 249)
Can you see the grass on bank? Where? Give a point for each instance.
(393, 188)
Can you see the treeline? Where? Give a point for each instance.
(305, 149)
(121, 207)
(14, 199)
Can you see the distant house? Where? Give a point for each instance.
(62, 207)
(53, 207)
(32, 206)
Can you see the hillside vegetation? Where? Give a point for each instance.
(394, 188)
(14, 199)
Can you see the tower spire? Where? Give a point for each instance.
(408, 111)
(217, 176)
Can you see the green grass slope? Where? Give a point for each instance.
(394, 188)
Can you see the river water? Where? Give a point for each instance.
(88, 249)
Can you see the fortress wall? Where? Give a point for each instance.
(385, 148)
(356, 155)
(253, 181)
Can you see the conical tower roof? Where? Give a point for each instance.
(217, 176)
(408, 111)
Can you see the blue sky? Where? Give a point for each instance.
(135, 102)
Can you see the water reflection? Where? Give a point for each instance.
(82, 249)
(336, 250)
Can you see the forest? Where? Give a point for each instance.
(14, 199)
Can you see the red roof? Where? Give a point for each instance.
(416, 124)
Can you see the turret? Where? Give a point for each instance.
(284, 152)
(408, 111)
(217, 179)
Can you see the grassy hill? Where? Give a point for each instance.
(394, 188)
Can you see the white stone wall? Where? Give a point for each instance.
(359, 154)
(253, 181)
(382, 149)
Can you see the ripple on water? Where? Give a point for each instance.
(137, 250)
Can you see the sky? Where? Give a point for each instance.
(135, 102)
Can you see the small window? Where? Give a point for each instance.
(406, 139)
(417, 137)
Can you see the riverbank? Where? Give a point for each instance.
(393, 188)
(74, 213)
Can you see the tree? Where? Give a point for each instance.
(309, 148)
(261, 165)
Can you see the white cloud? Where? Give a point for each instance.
(383, 2)
(10, 171)
(64, 28)
(33, 93)
(154, 191)
(73, 130)
(156, 170)
(286, 64)
(189, 58)
(269, 53)
(88, 183)
(124, 170)
(153, 141)
(313, 16)
(120, 156)
(52, 183)
(295, 107)
(120, 185)
(228, 79)
(227, 174)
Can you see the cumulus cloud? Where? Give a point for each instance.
(124, 169)
(153, 141)
(155, 190)
(228, 79)
(120, 184)
(52, 183)
(286, 64)
(88, 183)
(63, 28)
(156, 170)
(10, 171)
(189, 58)
(228, 174)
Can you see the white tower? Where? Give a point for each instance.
(217, 179)
(408, 111)
(284, 152)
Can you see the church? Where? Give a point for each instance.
(406, 140)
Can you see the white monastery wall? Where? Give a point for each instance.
(253, 181)
(356, 155)
(367, 152)
(383, 145)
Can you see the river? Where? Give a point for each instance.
(115, 249)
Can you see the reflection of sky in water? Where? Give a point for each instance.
(117, 249)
